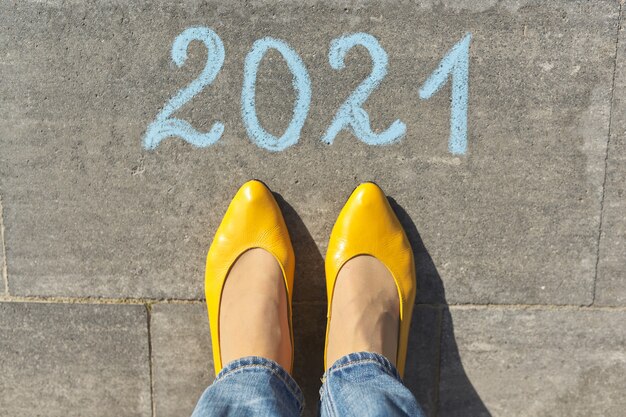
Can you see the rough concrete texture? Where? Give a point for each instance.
(422, 361)
(182, 362)
(533, 362)
(89, 212)
(183, 365)
(611, 281)
(74, 360)
(533, 214)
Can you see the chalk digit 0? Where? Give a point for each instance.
(301, 84)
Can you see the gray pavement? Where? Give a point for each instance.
(611, 284)
(74, 360)
(520, 243)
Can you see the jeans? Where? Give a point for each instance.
(359, 384)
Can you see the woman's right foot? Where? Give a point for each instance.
(370, 280)
(365, 311)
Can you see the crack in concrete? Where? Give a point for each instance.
(606, 154)
(150, 359)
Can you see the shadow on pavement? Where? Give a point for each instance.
(309, 318)
(433, 363)
(455, 395)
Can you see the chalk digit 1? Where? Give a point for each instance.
(456, 65)
(301, 84)
(351, 115)
(165, 126)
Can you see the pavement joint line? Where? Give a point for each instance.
(530, 307)
(606, 154)
(155, 301)
(5, 274)
(150, 359)
(96, 300)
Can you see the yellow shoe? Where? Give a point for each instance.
(253, 220)
(367, 225)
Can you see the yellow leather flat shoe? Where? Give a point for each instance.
(253, 220)
(367, 225)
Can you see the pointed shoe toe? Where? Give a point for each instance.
(367, 225)
(252, 220)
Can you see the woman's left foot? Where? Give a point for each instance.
(249, 281)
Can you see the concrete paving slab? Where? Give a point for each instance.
(309, 330)
(533, 362)
(74, 360)
(89, 212)
(422, 360)
(182, 361)
(611, 281)
(181, 357)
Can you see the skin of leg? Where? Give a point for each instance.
(365, 311)
(254, 311)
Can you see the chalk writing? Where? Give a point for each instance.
(164, 126)
(301, 84)
(454, 65)
(351, 114)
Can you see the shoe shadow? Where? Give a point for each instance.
(309, 317)
(434, 370)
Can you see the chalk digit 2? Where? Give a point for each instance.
(165, 126)
(455, 64)
(301, 84)
(351, 115)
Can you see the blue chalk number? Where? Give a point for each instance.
(301, 84)
(351, 114)
(165, 126)
(455, 65)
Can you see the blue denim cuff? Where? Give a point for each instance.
(258, 362)
(362, 358)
